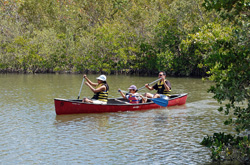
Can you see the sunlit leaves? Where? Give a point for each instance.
(228, 58)
(104, 35)
(229, 9)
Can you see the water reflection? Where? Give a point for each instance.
(97, 120)
(78, 117)
(177, 107)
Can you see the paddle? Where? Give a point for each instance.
(142, 87)
(80, 89)
(148, 84)
(160, 101)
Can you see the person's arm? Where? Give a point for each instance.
(102, 88)
(88, 80)
(149, 87)
(122, 93)
(167, 87)
(144, 100)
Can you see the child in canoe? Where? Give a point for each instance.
(132, 96)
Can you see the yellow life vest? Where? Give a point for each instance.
(101, 96)
(161, 88)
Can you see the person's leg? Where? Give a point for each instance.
(86, 100)
(164, 97)
(143, 99)
(148, 95)
(99, 102)
(157, 96)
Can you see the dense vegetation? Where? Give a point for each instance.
(112, 36)
(228, 57)
(182, 37)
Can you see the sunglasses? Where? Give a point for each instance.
(160, 74)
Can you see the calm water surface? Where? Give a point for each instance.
(31, 132)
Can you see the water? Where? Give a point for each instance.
(31, 132)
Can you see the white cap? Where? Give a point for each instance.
(102, 78)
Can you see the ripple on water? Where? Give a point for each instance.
(31, 133)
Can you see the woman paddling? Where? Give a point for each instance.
(100, 91)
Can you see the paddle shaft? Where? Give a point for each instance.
(80, 88)
(149, 84)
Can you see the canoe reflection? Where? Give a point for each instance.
(177, 107)
(99, 120)
(100, 117)
(103, 121)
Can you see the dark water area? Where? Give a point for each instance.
(31, 132)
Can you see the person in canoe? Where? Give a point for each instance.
(100, 91)
(132, 96)
(163, 87)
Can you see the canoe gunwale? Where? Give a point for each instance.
(121, 101)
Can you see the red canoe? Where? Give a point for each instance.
(64, 106)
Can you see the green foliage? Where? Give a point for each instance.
(226, 51)
(107, 36)
(229, 9)
(173, 28)
(228, 147)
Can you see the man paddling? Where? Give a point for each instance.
(163, 87)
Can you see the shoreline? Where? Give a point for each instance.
(93, 73)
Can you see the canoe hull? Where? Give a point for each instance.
(64, 106)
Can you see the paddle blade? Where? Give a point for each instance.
(160, 101)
